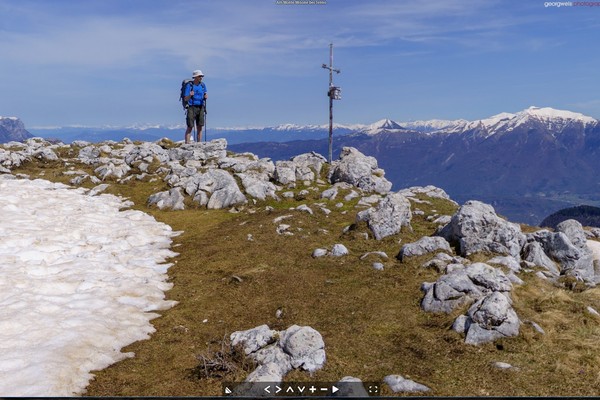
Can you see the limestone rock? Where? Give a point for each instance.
(423, 246)
(429, 191)
(574, 260)
(308, 166)
(112, 170)
(171, 199)
(253, 339)
(388, 217)
(491, 318)
(220, 187)
(463, 285)
(339, 250)
(359, 170)
(257, 187)
(147, 152)
(476, 228)
(398, 383)
(305, 347)
(534, 252)
(350, 386)
(285, 172)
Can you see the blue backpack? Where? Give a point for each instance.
(184, 84)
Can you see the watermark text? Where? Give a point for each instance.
(301, 2)
(559, 4)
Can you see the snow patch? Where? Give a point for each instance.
(78, 279)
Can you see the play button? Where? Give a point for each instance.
(334, 389)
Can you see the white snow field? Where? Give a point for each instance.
(78, 278)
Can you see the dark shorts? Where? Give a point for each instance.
(195, 113)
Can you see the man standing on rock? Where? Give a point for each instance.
(195, 95)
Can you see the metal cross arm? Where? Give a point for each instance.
(337, 71)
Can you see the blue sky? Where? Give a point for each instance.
(120, 62)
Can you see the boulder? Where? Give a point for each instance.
(171, 199)
(305, 347)
(429, 191)
(253, 339)
(359, 170)
(508, 261)
(463, 285)
(534, 252)
(388, 216)
(491, 318)
(246, 162)
(215, 149)
(220, 188)
(319, 253)
(285, 172)
(574, 231)
(339, 250)
(45, 154)
(350, 386)
(308, 166)
(11, 159)
(450, 291)
(88, 154)
(147, 152)
(574, 260)
(116, 169)
(398, 383)
(256, 187)
(423, 246)
(276, 354)
(476, 228)
(330, 193)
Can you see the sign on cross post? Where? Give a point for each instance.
(334, 93)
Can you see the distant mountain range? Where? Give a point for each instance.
(527, 164)
(280, 133)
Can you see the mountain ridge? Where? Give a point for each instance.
(540, 154)
(488, 125)
(13, 129)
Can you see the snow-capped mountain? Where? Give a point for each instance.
(384, 125)
(528, 164)
(433, 125)
(542, 118)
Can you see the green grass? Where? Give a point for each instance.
(370, 320)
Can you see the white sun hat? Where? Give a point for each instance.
(197, 73)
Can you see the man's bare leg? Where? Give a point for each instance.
(188, 135)
(199, 133)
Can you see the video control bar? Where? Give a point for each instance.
(301, 389)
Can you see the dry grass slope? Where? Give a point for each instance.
(370, 320)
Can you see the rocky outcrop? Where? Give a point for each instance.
(428, 191)
(564, 252)
(359, 170)
(388, 216)
(476, 228)
(423, 246)
(170, 200)
(277, 353)
(462, 285)
(204, 171)
(489, 319)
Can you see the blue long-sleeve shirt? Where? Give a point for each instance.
(198, 97)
